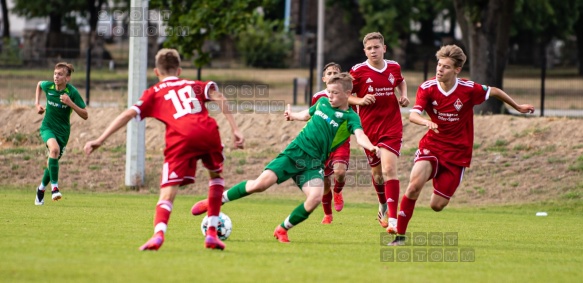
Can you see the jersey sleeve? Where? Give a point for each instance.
(354, 123)
(480, 93)
(399, 76)
(202, 90)
(420, 101)
(356, 82)
(44, 85)
(76, 98)
(145, 105)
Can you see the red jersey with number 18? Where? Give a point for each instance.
(179, 104)
(453, 112)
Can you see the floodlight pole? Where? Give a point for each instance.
(320, 43)
(137, 82)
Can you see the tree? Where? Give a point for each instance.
(57, 11)
(204, 20)
(536, 23)
(485, 27)
(5, 20)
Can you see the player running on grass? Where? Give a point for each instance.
(191, 135)
(446, 149)
(337, 162)
(375, 82)
(62, 99)
(330, 124)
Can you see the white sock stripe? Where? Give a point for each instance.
(217, 181)
(225, 198)
(160, 227)
(165, 204)
(213, 221)
(287, 224)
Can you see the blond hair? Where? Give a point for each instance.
(167, 61)
(343, 79)
(66, 66)
(454, 53)
(373, 35)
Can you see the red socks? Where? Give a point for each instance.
(327, 203)
(391, 188)
(405, 214)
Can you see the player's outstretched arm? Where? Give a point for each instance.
(500, 94)
(362, 140)
(120, 121)
(39, 108)
(416, 118)
(297, 116)
(220, 99)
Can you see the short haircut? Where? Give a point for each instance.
(344, 79)
(66, 66)
(167, 61)
(332, 64)
(454, 53)
(373, 35)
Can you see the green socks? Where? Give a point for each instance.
(236, 192)
(46, 178)
(53, 170)
(298, 215)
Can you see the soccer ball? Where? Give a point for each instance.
(223, 230)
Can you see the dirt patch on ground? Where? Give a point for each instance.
(516, 159)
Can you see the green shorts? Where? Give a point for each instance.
(47, 134)
(295, 163)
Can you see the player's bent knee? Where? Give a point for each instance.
(437, 207)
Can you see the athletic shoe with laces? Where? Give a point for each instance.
(398, 241)
(338, 201)
(215, 243)
(382, 215)
(200, 207)
(154, 243)
(281, 234)
(392, 228)
(40, 197)
(327, 219)
(56, 195)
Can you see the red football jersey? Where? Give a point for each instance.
(179, 104)
(318, 95)
(453, 112)
(381, 119)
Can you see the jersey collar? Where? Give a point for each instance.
(375, 69)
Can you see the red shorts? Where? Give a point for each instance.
(180, 158)
(340, 155)
(446, 176)
(391, 144)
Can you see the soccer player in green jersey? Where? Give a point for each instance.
(62, 99)
(331, 122)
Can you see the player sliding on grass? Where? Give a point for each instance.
(330, 124)
(337, 163)
(62, 99)
(446, 149)
(191, 134)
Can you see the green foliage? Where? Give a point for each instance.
(265, 44)
(545, 19)
(202, 20)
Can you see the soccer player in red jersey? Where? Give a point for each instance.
(446, 149)
(375, 81)
(191, 134)
(337, 162)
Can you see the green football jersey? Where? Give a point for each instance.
(327, 129)
(57, 115)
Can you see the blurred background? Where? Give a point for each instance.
(531, 48)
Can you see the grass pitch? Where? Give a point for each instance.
(92, 237)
